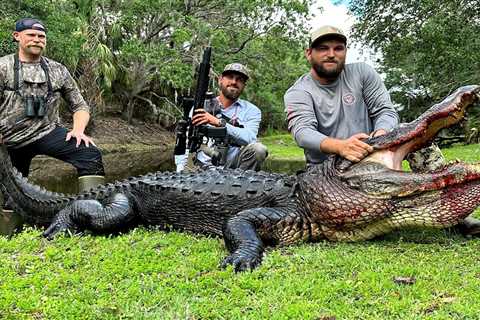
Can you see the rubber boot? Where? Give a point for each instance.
(10, 222)
(469, 227)
(85, 183)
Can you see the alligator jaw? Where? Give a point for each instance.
(391, 149)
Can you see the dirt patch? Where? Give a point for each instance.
(113, 130)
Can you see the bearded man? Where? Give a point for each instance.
(31, 89)
(334, 106)
(240, 118)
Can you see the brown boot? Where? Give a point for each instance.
(469, 227)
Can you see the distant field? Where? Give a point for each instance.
(282, 147)
(149, 274)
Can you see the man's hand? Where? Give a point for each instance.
(80, 136)
(200, 116)
(80, 121)
(377, 133)
(353, 148)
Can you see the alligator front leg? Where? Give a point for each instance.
(247, 233)
(115, 213)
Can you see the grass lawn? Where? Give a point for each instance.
(149, 274)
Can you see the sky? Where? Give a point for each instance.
(338, 15)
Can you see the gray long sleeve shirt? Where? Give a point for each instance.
(356, 102)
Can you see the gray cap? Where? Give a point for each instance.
(237, 67)
(327, 31)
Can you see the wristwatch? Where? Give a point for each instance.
(222, 122)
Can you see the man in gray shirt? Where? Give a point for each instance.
(334, 106)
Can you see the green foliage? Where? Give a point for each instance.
(133, 52)
(429, 48)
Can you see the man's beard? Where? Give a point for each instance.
(328, 74)
(232, 95)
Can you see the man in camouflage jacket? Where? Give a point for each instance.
(30, 90)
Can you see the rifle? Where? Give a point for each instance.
(194, 140)
(185, 125)
(197, 133)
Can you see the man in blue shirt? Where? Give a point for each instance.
(240, 117)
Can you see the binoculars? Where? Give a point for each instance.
(35, 106)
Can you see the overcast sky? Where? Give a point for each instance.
(339, 16)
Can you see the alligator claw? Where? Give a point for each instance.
(61, 224)
(54, 229)
(242, 262)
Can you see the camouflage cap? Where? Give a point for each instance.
(327, 32)
(237, 67)
(29, 23)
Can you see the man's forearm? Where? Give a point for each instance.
(353, 148)
(330, 145)
(80, 120)
(307, 138)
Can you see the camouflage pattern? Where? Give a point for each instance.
(16, 129)
(237, 67)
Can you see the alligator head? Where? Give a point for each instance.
(374, 196)
(391, 149)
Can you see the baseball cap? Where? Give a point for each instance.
(327, 32)
(237, 67)
(29, 23)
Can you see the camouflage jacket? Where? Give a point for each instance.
(16, 128)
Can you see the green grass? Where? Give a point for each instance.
(150, 274)
(282, 146)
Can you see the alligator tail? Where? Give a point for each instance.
(35, 204)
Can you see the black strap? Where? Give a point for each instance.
(233, 123)
(44, 66)
(16, 75)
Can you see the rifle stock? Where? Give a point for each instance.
(182, 127)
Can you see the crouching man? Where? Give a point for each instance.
(240, 118)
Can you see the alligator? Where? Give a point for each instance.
(337, 200)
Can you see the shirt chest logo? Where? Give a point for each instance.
(348, 99)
